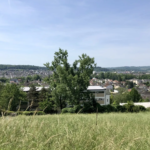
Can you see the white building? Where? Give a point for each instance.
(102, 95)
(145, 104)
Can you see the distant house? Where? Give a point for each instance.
(115, 81)
(108, 86)
(142, 86)
(14, 81)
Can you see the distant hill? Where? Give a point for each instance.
(131, 68)
(98, 69)
(30, 67)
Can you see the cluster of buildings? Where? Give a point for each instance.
(109, 84)
(13, 73)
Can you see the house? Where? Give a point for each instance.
(108, 86)
(143, 86)
(101, 94)
(115, 81)
(14, 81)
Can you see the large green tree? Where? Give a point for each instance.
(69, 82)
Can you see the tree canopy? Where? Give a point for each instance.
(69, 82)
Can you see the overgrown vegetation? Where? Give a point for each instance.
(88, 108)
(113, 131)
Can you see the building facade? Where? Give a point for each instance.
(101, 94)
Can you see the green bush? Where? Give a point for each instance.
(120, 108)
(109, 108)
(77, 108)
(40, 113)
(142, 108)
(88, 108)
(129, 107)
(99, 108)
(28, 113)
(71, 110)
(64, 110)
(7, 113)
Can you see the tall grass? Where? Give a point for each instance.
(76, 132)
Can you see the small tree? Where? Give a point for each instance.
(134, 95)
(11, 95)
(32, 95)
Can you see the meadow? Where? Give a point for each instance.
(113, 131)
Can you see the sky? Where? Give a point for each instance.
(114, 32)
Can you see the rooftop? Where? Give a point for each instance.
(96, 88)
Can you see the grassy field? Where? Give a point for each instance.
(76, 132)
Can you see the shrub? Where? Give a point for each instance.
(88, 109)
(8, 113)
(71, 110)
(129, 107)
(120, 108)
(28, 113)
(142, 108)
(109, 108)
(64, 110)
(77, 108)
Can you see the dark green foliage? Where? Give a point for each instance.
(88, 108)
(10, 97)
(129, 84)
(134, 95)
(45, 102)
(129, 107)
(119, 108)
(75, 109)
(37, 77)
(4, 80)
(27, 113)
(33, 94)
(68, 110)
(64, 110)
(7, 113)
(108, 108)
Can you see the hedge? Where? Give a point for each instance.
(104, 108)
(27, 113)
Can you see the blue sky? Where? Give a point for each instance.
(114, 32)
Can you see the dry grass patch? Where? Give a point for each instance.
(76, 132)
